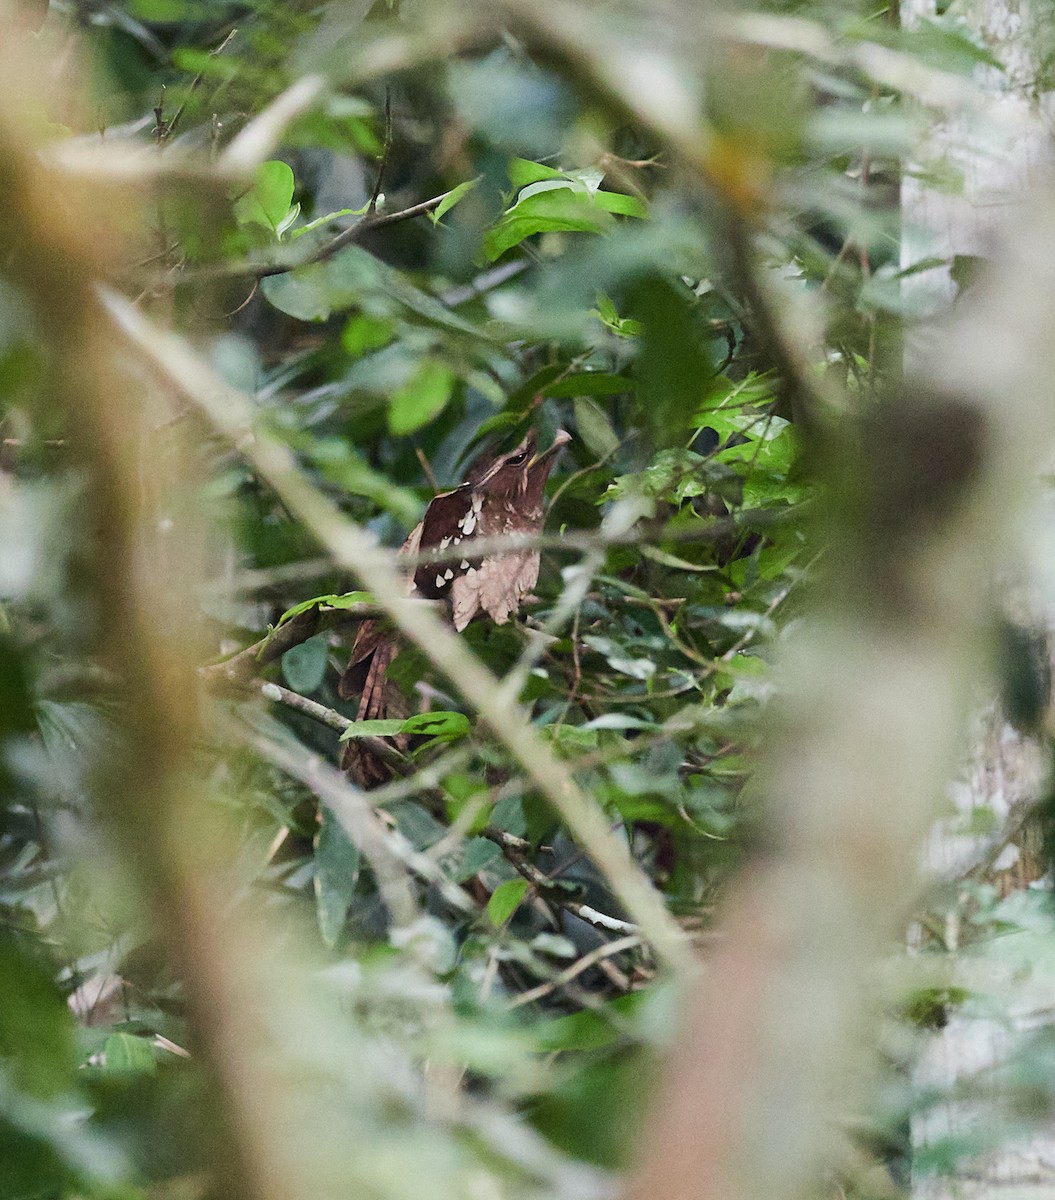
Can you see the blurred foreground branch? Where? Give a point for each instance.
(876, 691)
(231, 413)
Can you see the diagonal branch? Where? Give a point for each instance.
(231, 413)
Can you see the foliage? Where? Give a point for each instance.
(574, 275)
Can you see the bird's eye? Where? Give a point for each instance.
(517, 459)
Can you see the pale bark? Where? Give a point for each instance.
(1002, 150)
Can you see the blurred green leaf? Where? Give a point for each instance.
(451, 199)
(304, 666)
(422, 399)
(337, 863)
(505, 900)
(124, 1053)
(268, 202)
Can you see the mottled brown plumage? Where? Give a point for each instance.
(500, 497)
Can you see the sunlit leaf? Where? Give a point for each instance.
(505, 900)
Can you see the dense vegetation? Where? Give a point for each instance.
(357, 246)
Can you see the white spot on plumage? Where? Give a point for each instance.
(439, 581)
(464, 564)
(448, 574)
(444, 543)
(470, 523)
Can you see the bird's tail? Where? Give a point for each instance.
(367, 674)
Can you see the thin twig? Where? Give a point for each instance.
(619, 946)
(517, 852)
(379, 181)
(244, 666)
(333, 720)
(347, 237)
(231, 412)
(165, 131)
(388, 852)
(426, 466)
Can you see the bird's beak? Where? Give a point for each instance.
(560, 438)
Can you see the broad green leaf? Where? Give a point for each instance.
(445, 726)
(365, 332)
(505, 900)
(422, 399)
(268, 202)
(342, 465)
(126, 1053)
(589, 1030)
(750, 424)
(673, 371)
(672, 475)
(304, 666)
(480, 853)
(381, 727)
(589, 383)
(523, 173)
(594, 428)
(354, 278)
(451, 199)
(556, 203)
(620, 204)
(439, 724)
(337, 863)
(36, 1027)
(562, 209)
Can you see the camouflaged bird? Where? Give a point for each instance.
(502, 496)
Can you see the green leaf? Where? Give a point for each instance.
(673, 370)
(444, 726)
(523, 172)
(382, 727)
(672, 476)
(664, 558)
(365, 332)
(451, 199)
(505, 900)
(337, 863)
(128, 1054)
(589, 1030)
(331, 600)
(350, 600)
(620, 204)
(480, 853)
(422, 399)
(560, 210)
(594, 428)
(355, 277)
(447, 726)
(331, 216)
(284, 226)
(36, 1027)
(589, 383)
(343, 466)
(304, 666)
(268, 202)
